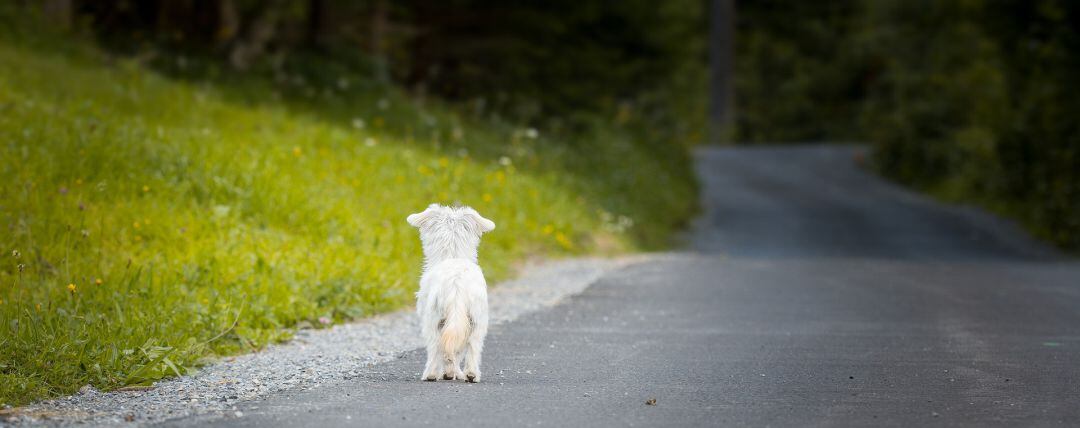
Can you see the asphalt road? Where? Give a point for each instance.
(817, 295)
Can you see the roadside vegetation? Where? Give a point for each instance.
(159, 211)
(971, 101)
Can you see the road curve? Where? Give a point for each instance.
(816, 295)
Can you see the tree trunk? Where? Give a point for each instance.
(722, 71)
(316, 23)
(58, 12)
(228, 25)
(261, 30)
(379, 26)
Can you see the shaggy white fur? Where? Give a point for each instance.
(452, 301)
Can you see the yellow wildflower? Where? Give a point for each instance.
(136, 225)
(71, 288)
(548, 229)
(145, 188)
(98, 281)
(487, 197)
(563, 240)
(296, 151)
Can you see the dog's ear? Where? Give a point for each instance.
(417, 220)
(483, 224)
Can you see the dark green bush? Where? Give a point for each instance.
(969, 100)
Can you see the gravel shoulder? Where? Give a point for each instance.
(311, 359)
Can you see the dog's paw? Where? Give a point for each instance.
(456, 374)
(429, 377)
(472, 377)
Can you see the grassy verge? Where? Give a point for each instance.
(149, 222)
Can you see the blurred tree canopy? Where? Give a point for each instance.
(531, 60)
(973, 100)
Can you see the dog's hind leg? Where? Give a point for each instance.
(433, 367)
(472, 359)
(434, 360)
(474, 347)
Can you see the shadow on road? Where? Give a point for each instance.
(816, 201)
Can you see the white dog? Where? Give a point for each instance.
(452, 301)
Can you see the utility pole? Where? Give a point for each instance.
(721, 71)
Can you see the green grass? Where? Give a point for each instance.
(220, 212)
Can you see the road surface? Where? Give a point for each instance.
(816, 295)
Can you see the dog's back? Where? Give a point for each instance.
(455, 300)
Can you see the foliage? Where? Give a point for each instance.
(796, 76)
(155, 216)
(553, 63)
(969, 100)
(557, 56)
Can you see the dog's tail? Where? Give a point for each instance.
(456, 324)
